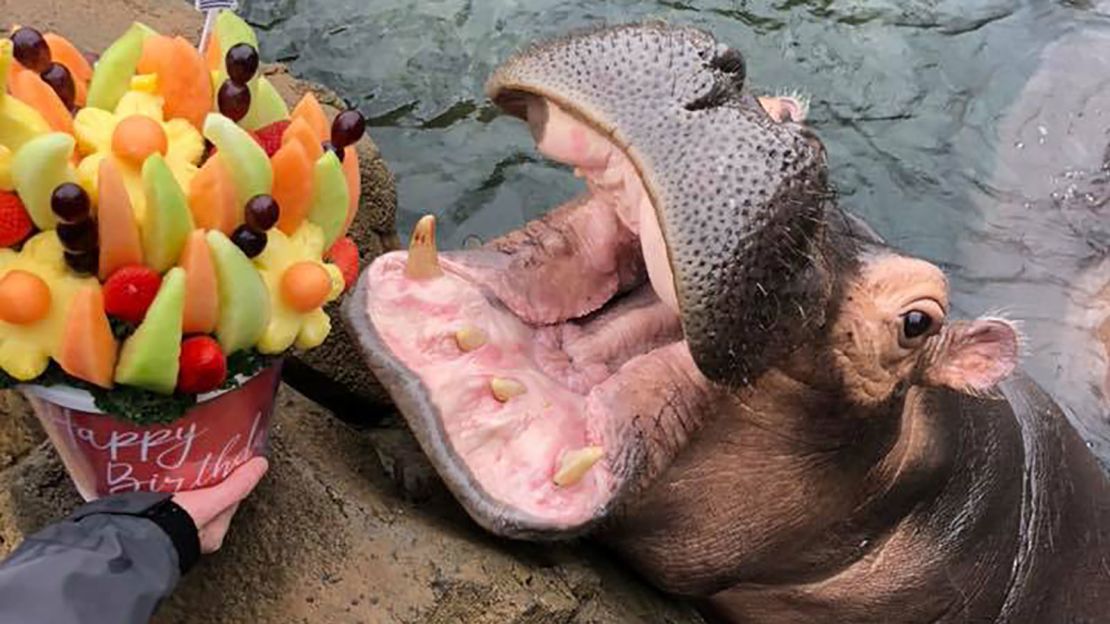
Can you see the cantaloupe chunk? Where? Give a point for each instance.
(354, 185)
(310, 110)
(212, 198)
(300, 130)
(120, 244)
(64, 52)
(88, 349)
(27, 87)
(213, 52)
(183, 79)
(202, 297)
(293, 171)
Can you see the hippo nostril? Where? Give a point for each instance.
(716, 96)
(731, 61)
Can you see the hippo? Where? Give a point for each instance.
(707, 365)
(1044, 187)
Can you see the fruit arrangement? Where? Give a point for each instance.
(167, 224)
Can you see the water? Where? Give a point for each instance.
(950, 126)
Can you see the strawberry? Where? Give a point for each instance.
(202, 366)
(15, 223)
(344, 254)
(270, 136)
(130, 291)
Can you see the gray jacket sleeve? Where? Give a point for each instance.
(113, 560)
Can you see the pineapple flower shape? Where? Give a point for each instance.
(36, 289)
(133, 132)
(300, 284)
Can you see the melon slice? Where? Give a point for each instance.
(309, 109)
(202, 298)
(19, 123)
(245, 159)
(88, 349)
(300, 130)
(183, 80)
(112, 75)
(212, 198)
(29, 88)
(293, 174)
(64, 52)
(267, 105)
(244, 300)
(353, 174)
(329, 198)
(230, 31)
(167, 222)
(120, 244)
(37, 169)
(149, 358)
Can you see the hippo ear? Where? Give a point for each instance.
(975, 356)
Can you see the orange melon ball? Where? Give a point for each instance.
(305, 286)
(137, 137)
(24, 298)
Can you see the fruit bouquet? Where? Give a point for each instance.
(168, 231)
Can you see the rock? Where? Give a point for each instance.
(19, 429)
(333, 373)
(327, 538)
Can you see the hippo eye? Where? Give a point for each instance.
(915, 324)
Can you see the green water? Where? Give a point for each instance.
(936, 131)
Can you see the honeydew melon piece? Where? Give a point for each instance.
(329, 198)
(242, 155)
(149, 358)
(37, 169)
(244, 300)
(113, 70)
(167, 222)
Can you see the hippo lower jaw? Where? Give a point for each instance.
(511, 361)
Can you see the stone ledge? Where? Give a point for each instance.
(330, 537)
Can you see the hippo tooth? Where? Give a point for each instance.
(574, 465)
(470, 338)
(504, 388)
(423, 262)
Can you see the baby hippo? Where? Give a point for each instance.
(880, 474)
(704, 363)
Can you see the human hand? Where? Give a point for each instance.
(212, 508)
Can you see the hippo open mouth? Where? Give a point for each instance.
(520, 366)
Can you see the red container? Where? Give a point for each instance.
(106, 455)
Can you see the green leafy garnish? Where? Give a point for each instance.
(143, 407)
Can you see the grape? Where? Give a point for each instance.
(84, 262)
(31, 49)
(348, 128)
(235, 100)
(242, 62)
(59, 79)
(70, 202)
(330, 147)
(251, 242)
(79, 237)
(262, 212)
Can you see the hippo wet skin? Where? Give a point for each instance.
(705, 364)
